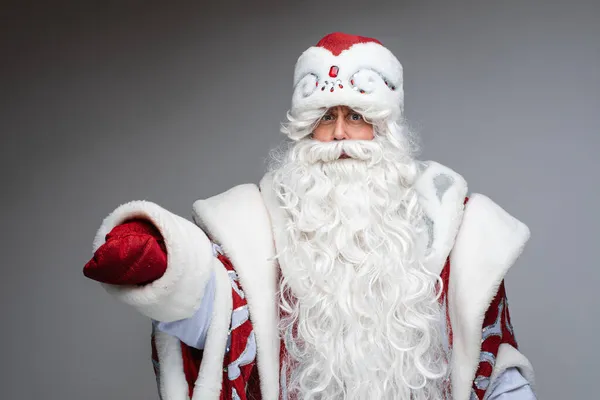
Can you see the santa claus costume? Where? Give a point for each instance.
(351, 271)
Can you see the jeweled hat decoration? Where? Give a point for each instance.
(349, 70)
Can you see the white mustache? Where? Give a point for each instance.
(363, 150)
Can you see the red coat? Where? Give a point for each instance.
(472, 248)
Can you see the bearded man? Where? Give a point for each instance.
(353, 272)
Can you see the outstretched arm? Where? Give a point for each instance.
(154, 260)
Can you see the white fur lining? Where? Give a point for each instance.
(172, 383)
(210, 377)
(442, 195)
(508, 357)
(238, 221)
(488, 243)
(178, 293)
(275, 211)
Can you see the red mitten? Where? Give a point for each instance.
(134, 254)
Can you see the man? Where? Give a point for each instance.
(354, 272)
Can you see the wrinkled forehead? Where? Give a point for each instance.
(343, 109)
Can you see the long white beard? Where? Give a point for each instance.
(361, 317)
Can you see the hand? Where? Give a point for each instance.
(134, 254)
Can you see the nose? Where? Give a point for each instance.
(339, 132)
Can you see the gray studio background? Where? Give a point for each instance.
(106, 102)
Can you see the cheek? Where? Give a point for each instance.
(320, 133)
(365, 133)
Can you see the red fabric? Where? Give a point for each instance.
(445, 275)
(497, 315)
(238, 341)
(134, 254)
(192, 358)
(247, 385)
(337, 42)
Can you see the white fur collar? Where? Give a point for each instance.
(489, 242)
(238, 221)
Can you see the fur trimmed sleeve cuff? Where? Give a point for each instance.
(178, 293)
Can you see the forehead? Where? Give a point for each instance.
(340, 108)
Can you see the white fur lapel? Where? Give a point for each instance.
(442, 194)
(210, 377)
(488, 243)
(238, 221)
(171, 378)
(172, 383)
(276, 212)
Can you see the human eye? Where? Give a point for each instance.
(354, 116)
(327, 117)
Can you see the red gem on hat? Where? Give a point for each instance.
(337, 42)
(333, 71)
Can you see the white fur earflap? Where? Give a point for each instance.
(238, 221)
(488, 243)
(178, 293)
